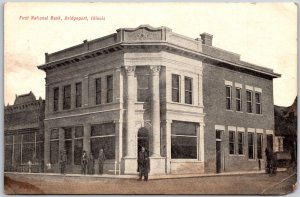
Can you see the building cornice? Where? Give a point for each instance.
(160, 45)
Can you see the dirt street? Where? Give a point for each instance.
(282, 183)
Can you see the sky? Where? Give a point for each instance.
(263, 33)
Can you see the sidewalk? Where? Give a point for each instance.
(152, 177)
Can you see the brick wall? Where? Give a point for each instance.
(216, 114)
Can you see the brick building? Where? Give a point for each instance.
(196, 108)
(24, 134)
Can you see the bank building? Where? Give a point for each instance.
(194, 107)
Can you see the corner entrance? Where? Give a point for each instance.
(143, 139)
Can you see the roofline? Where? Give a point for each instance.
(163, 43)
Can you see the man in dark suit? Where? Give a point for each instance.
(143, 164)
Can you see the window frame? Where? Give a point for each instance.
(185, 136)
(231, 142)
(67, 97)
(54, 140)
(259, 154)
(175, 89)
(249, 110)
(142, 89)
(258, 103)
(251, 146)
(78, 95)
(238, 99)
(98, 91)
(55, 99)
(188, 93)
(241, 143)
(228, 97)
(109, 90)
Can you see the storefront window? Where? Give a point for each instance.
(103, 136)
(54, 146)
(184, 140)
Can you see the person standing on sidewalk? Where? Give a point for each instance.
(83, 162)
(101, 160)
(143, 164)
(91, 163)
(63, 161)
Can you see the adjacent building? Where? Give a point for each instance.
(24, 134)
(286, 129)
(196, 108)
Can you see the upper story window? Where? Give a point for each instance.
(109, 89)
(175, 88)
(249, 101)
(98, 91)
(228, 97)
(258, 102)
(67, 97)
(143, 90)
(55, 98)
(238, 93)
(78, 94)
(188, 89)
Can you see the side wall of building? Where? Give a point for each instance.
(215, 79)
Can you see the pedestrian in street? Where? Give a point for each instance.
(91, 163)
(84, 161)
(63, 161)
(143, 164)
(101, 160)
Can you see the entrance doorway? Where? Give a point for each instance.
(143, 139)
(218, 151)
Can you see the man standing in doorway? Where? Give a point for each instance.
(101, 160)
(143, 164)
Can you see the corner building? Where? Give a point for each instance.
(152, 87)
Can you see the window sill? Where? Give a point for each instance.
(239, 112)
(232, 155)
(229, 110)
(251, 159)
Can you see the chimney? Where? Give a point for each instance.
(46, 57)
(206, 39)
